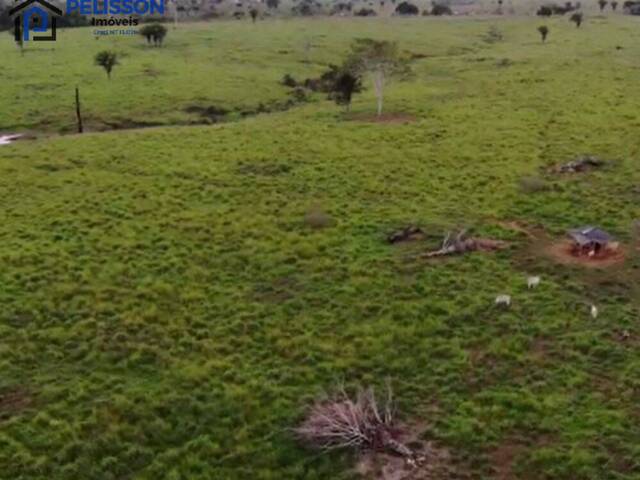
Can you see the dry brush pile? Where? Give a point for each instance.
(358, 422)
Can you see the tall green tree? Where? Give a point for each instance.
(343, 83)
(382, 60)
(577, 19)
(155, 33)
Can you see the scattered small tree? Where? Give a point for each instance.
(365, 12)
(273, 4)
(107, 60)
(406, 8)
(577, 19)
(254, 14)
(544, 32)
(544, 11)
(154, 33)
(439, 9)
(614, 5)
(602, 4)
(289, 81)
(343, 84)
(381, 59)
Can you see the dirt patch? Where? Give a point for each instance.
(151, 72)
(263, 169)
(503, 460)
(563, 252)
(211, 112)
(13, 401)
(278, 291)
(433, 462)
(388, 118)
(419, 56)
(128, 124)
(317, 219)
(540, 350)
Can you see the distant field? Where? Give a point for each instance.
(229, 64)
(166, 313)
(238, 66)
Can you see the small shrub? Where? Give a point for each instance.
(107, 60)
(577, 19)
(504, 62)
(317, 219)
(533, 185)
(289, 81)
(439, 10)
(299, 94)
(544, 32)
(544, 11)
(406, 8)
(365, 12)
(493, 35)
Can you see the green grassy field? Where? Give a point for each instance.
(167, 313)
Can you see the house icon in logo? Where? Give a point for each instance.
(35, 16)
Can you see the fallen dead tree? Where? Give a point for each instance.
(406, 234)
(580, 164)
(356, 422)
(458, 244)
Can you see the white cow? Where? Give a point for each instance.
(533, 282)
(503, 300)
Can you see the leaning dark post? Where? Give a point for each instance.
(78, 115)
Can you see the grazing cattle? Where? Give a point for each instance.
(503, 300)
(533, 282)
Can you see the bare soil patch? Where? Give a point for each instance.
(433, 462)
(562, 251)
(13, 401)
(503, 459)
(278, 291)
(126, 124)
(388, 118)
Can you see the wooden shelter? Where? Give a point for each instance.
(590, 240)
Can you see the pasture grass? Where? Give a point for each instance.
(167, 312)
